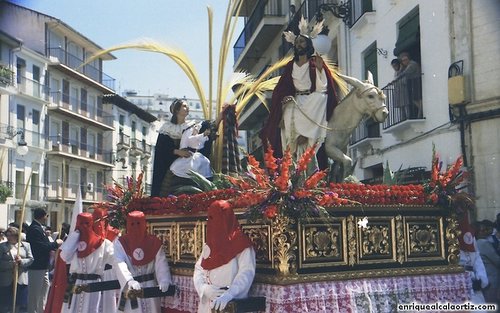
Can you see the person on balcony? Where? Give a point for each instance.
(226, 267)
(410, 76)
(87, 253)
(302, 103)
(140, 262)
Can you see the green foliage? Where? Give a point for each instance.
(391, 178)
(5, 192)
(203, 183)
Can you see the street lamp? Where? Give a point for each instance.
(22, 146)
(342, 10)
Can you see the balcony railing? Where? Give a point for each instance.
(123, 140)
(6, 76)
(366, 129)
(33, 88)
(141, 146)
(55, 191)
(91, 111)
(358, 8)
(79, 148)
(404, 100)
(262, 9)
(88, 70)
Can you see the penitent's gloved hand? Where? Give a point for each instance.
(211, 291)
(134, 285)
(221, 302)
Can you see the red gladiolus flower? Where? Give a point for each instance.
(271, 211)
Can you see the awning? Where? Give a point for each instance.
(409, 35)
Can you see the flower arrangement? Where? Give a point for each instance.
(282, 187)
(444, 184)
(119, 199)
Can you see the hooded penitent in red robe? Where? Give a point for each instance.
(137, 243)
(271, 132)
(224, 235)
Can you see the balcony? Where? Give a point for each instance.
(32, 88)
(261, 28)
(57, 191)
(58, 145)
(89, 71)
(123, 142)
(404, 102)
(76, 108)
(139, 148)
(366, 136)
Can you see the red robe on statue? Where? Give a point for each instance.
(272, 132)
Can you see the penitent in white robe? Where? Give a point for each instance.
(197, 162)
(91, 264)
(237, 274)
(303, 116)
(125, 272)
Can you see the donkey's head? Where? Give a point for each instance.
(371, 100)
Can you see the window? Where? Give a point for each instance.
(121, 120)
(144, 130)
(21, 116)
(370, 62)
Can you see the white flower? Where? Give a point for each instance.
(363, 223)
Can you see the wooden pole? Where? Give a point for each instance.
(16, 265)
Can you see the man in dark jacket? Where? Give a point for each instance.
(38, 274)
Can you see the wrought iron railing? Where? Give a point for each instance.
(79, 148)
(404, 100)
(76, 105)
(89, 70)
(366, 129)
(33, 88)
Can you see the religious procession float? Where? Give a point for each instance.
(320, 246)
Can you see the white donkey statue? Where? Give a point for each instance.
(365, 99)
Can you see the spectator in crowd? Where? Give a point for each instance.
(38, 274)
(490, 258)
(410, 76)
(9, 256)
(2, 235)
(226, 267)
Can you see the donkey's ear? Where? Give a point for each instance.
(370, 77)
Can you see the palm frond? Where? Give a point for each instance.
(344, 90)
(256, 86)
(178, 56)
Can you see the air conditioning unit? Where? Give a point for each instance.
(90, 187)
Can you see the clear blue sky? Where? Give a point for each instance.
(177, 23)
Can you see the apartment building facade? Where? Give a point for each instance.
(58, 107)
(449, 39)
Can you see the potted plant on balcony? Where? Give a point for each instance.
(5, 192)
(5, 75)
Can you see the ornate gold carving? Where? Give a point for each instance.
(284, 245)
(400, 240)
(366, 273)
(452, 233)
(423, 239)
(351, 240)
(260, 235)
(375, 240)
(345, 275)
